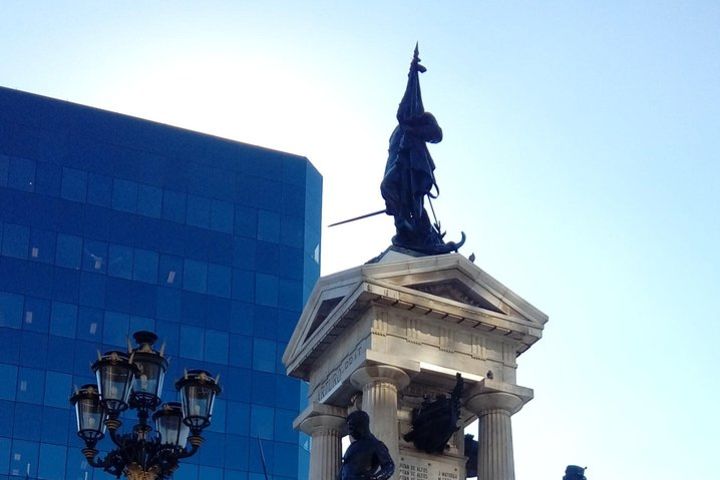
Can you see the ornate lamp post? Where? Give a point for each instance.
(135, 381)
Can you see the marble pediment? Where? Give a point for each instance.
(448, 288)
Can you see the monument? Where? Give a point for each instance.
(420, 338)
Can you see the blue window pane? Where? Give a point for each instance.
(120, 261)
(245, 221)
(4, 455)
(288, 461)
(77, 468)
(187, 472)
(241, 348)
(211, 473)
(198, 211)
(283, 426)
(268, 226)
(218, 416)
(4, 168)
(287, 390)
(238, 418)
(115, 329)
(125, 195)
(55, 425)
(168, 304)
(34, 350)
(266, 289)
(52, 462)
(241, 318)
(244, 250)
(68, 252)
(145, 266)
(216, 347)
(174, 206)
(90, 323)
(10, 339)
(37, 314)
(236, 452)
(141, 323)
(94, 256)
(221, 216)
(243, 285)
(15, 240)
(63, 319)
(11, 309)
(195, 276)
(21, 174)
(99, 190)
(8, 386)
(48, 179)
(42, 245)
(219, 280)
(262, 422)
(31, 385)
(24, 458)
(28, 419)
(264, 355)
(170, 271)
(74, 184)
(150, 201)
(92, 289)
(263, 388)
(58, 351)
(57, 386)
(191, 342)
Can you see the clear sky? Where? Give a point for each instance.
(580, 157)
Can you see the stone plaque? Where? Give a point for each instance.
(416, 468)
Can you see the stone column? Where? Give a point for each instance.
(326, 449)
(495, 447)
(380, 385)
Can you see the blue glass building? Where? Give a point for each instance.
(111, 224)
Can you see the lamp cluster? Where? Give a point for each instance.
(134, 380)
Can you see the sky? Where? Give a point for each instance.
(580, 158)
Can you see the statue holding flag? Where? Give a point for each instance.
(409, 173)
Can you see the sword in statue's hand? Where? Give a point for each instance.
(358, 218)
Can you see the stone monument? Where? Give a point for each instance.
(391, 336)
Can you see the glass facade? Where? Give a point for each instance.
(111, 224)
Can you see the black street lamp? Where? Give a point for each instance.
(135, 381)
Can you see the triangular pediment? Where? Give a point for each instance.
(450, 286)
(455, 290)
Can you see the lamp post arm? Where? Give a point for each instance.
(116, 438)
(93, 459)
(185, 453)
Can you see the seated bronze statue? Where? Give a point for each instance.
(367, 458)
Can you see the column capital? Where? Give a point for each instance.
(379, 373)
(322, 423)
(494, 401)
(318, 416)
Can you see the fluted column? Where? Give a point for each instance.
(495, 445)
(380, 385)
(326, 449)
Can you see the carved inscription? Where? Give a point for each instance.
(410, 468)
(340, 372)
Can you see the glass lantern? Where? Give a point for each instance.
(151, 367)
(114, 374)
(170, 426)
(197, 393)
(89, 413)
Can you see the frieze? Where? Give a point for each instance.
(339, 373)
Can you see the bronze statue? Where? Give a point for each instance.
(367, 458)
(409, 173)
(573, 472)
(434, 422)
